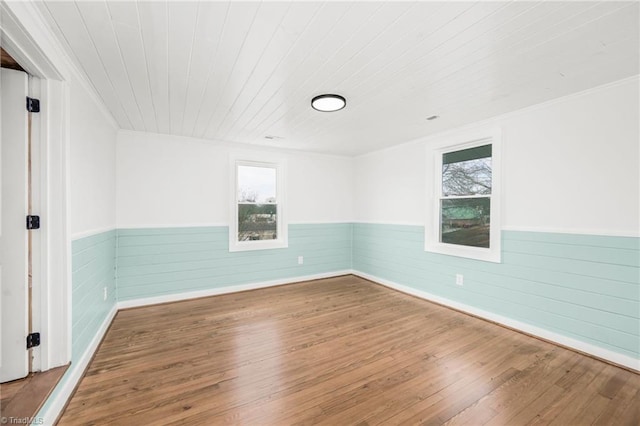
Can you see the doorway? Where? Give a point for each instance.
(30, 150)
(14, 237)
(22, 38)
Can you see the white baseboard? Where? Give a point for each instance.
(134, 303)
(73, 375)
(76, 370)
(596, 351)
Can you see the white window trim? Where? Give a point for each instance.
(283, 236)
(432, 224)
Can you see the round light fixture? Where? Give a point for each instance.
(328, 103)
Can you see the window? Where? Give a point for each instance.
(257, 213)
(465, 217)
(465, 198)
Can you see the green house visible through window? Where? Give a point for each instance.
(464, 196)
(465, 200)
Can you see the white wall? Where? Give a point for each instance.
(390, 185)
(176, 181)
(570, 165)
(92, 158)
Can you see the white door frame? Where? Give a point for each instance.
(27, 39)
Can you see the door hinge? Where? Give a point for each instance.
(33, 222)
(33, 105)
(33, 340)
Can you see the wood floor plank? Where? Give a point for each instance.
(629, 407)
(525, 389)
(337, 351)
(23, 398)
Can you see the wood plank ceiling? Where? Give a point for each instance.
(246, 71)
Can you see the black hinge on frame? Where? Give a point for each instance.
(33, 340)
(33, 105)
(33, 222)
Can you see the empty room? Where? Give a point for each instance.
(336, 213)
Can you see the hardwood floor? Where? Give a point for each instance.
(21, 399)
(341, 351)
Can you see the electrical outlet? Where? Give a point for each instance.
(104, 293)
(300, 260)
(459, 279)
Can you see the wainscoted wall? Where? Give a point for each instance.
(161, 261)
(582, 286)
(93, 268)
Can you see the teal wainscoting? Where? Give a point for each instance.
(93, 268)
(161, 261)
(581, 286)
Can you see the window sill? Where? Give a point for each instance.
(475, 253)
(257, 245)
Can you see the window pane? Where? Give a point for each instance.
(465, 221)
(467, 172)
(474, 153)
(257, 222)
(256, 184)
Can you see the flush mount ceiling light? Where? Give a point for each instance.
(328, 103)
